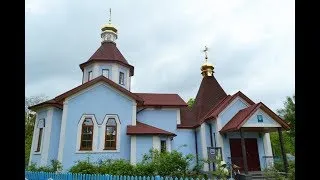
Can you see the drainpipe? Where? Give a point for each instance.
(210, 130)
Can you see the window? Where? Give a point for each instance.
(121, 78)
(39, 140)
(105, 73)
(260, 118)
(86, 134)
(89, 75)
(111, 135)
(163, 146)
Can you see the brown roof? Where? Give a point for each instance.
(215, 111)
(243, 115)
(57, 101)
(209, 94)
(48, 103)
(108, 52)
(167, 100)
(144, 129)
(94, 81)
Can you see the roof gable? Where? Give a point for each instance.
(243, 115)
(214, 113)
(93, 82)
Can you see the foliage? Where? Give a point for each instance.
(288, 114)
(277, 170)
(287, 143)
(172, 164)
(29, 122)
(55, 166)
(221, 170)
(190, 102)
(168, 163)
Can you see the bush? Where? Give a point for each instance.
(55, 166)
(278, 169)
(172, 164)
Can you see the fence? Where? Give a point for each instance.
(69, 176)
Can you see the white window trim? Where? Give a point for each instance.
(95, 134)
(123, 78)
(108, 74)
(102, 134)
(37, 139)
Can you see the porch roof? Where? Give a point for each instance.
(145, 129)
(243, 115)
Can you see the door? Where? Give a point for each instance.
(252, 153)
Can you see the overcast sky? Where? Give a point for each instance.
(251, 44)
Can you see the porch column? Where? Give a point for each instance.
(244, 152)
(285, 162)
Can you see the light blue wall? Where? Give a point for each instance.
(226, 144)
(144, 144)
(105, 66)
(226, 116)
(266, 119)
(166, 119)
(36, 157)
(208, 140)
(55, 135)
(199, 143)
(100, 100)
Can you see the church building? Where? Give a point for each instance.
(103, 119)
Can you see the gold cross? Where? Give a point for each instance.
(206, 52)
(110, 15)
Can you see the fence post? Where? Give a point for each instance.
(157, 177)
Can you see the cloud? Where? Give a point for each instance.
(251, 45)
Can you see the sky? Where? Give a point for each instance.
(251, 45)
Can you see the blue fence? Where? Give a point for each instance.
(69, 176)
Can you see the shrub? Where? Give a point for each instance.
(84, 167)
(55, 166)
(116, 167)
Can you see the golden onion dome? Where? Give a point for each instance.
(110, 27)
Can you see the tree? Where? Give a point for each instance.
(288, 114)
(30, 118)
(190, 102)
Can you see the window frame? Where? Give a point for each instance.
(165, 145)
(107, 71)
(105, 135)
(39, 142)
(86, 149)
(103, 132)
(90, 72)
(120, 78)
(94, 136)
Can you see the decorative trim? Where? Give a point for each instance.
(204, 145)
(95, 133)
(46, 135)
(103, 131)
(178, 116)
(133, 152)
(156, 142)
(134, 113)
(63, 130)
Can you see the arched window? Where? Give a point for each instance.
(86, 134)
(111, 135)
